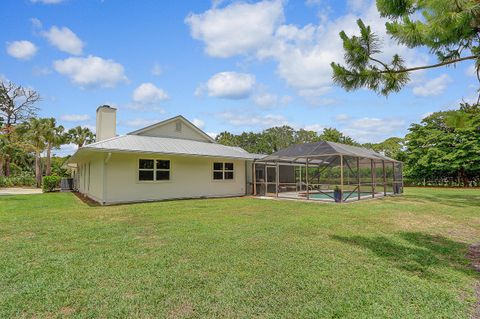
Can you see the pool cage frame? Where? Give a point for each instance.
(328, 172)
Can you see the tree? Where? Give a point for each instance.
(334, 135)
(16, 104)
(80, 136)
(54, 137)
(449, 29)
(3, 150)
(227, 138)
(393, 147)
(277, 138)
(438, 149)
(305, 136)
(33, 131)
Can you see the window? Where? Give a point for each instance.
(153, 170)
(178, 126)
(222, 171)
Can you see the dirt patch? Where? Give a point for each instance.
(474, 256)
(86, 199)
(184, 310)
(67, 311)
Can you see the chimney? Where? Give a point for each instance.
(106, 122)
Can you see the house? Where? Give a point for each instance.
(171, 159)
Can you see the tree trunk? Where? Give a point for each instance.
(464, 177)
(1, 167)
(7, 165)
(38, 169)
(48, 162)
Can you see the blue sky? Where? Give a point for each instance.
(225, 65)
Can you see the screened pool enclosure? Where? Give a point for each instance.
(327, 171)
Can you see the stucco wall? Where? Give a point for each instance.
(189, 177)
(90, 176)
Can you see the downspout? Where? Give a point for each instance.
(104, 191)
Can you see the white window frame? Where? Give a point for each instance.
(223, 171)
(154, 170)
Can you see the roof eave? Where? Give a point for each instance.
(108, 150)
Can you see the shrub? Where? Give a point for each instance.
(50, 183)
(24, 179)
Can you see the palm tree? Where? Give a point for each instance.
(81, 136)
(54, 137)
(33, 131)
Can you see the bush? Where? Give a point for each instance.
(24, 179)
(50, 183)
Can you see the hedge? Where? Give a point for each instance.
(50, 183)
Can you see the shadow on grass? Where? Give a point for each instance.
(422, 254)
(456, 200)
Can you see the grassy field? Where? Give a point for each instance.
(400, 257)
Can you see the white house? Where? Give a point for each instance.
(167, 160)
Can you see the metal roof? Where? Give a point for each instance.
(324, 148)
(165, 145)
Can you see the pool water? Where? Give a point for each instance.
(345, 194)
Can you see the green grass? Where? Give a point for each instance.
(401, 257)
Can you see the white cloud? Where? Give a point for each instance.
(148, 93)
(64, 39)
(302, 53)
(47, 1)
(253, 120)
(140, 122)
(314, 127)
(342, 117)
(471, 70)
(66, 149)
(266, 99)
(358, 5)
(433, 87)
(212, 134)
(312, 3)
(239, 28)
(426, 115)
(198, 123)
(40, 71)
(23, 50)
(369, 129)
(229, 85)
(91, 71)
(156, 69)
(36, 23)
(75, 117)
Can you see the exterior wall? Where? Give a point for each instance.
(170, 130)
(89, 177)
(190, 177)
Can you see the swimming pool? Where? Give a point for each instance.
(345, 195)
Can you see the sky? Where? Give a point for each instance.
(225, 65)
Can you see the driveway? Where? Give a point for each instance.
(19, 191)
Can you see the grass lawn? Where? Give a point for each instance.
(400, 257)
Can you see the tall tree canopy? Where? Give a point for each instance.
(450, 29)
(80, 136)
(279, 137)
(445, 146)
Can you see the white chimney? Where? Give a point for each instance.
(106, 122)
